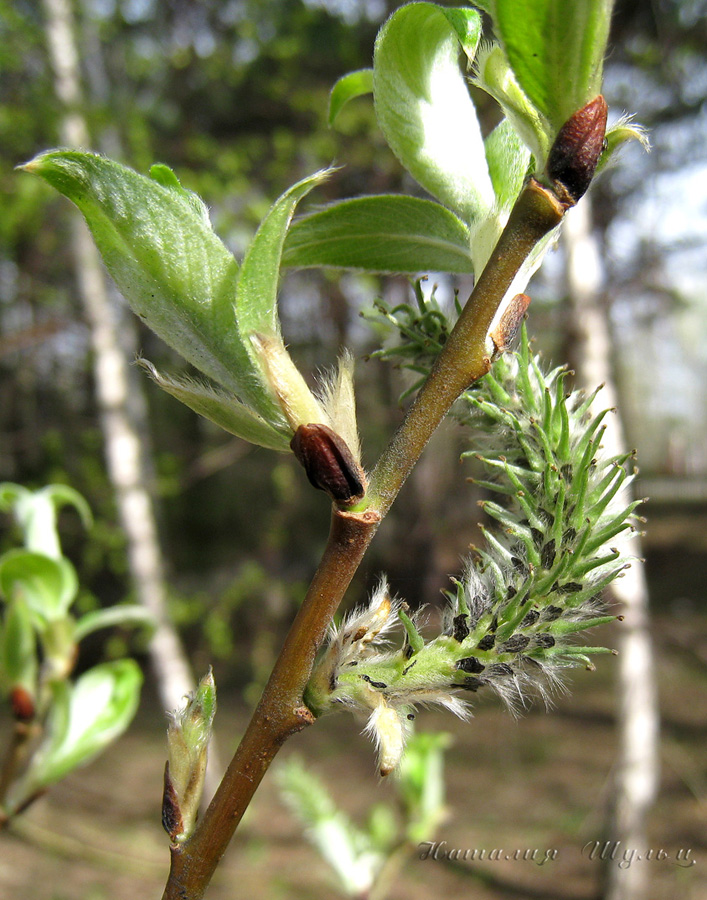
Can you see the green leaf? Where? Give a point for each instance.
(125, 614)
(467, 25)
(624, 130)
(222, 409)
(424, 109)
(84, 719)
(256, 308)
(172, 269)
(508, 160)
(355, 84)
(47, 585)
(18, 648)
(556, 51)
(384, 234)
(35, 512)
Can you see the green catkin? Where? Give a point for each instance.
(536, 583)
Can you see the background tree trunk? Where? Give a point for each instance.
(121, 401)
(636, 776)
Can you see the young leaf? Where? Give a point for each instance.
(556, 52)
(163, 255)
(47, 585)
(125, 614)
(35, 512)
(386, 233)
(256, 307)
(84, 719)
(18, 648)
(424, 109)
(355, 84)
(222, 409)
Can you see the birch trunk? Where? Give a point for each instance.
(636, 774)
(123, 411)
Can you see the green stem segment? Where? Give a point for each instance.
(463, 359)
(281, 711)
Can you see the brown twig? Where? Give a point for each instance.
(281, 711)
(22, 734)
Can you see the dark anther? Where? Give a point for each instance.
(514, 644)
(470, 664)
(547, 555)
(551, 613)
(499, 669)
(530, 618)
(460, 628)
(544, 640)
(486, 642)
(328, 462)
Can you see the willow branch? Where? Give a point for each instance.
(281, 711)
(463, 359)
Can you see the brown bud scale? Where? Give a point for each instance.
(172, 821)
(328, 462)
(507, 328)
(22, 704)
(575, 153)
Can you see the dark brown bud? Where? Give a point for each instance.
(506, 329)
(328, 462)
(22, 704)
(574, 155)
(172, 821)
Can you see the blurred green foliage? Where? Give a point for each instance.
(233, 94)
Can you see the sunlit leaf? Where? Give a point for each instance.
(166, 260)
(47, 585)
(348, 87)
(85, 718)
(424, 109)
(556, 51)
(382, 233)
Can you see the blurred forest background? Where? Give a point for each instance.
(233, 94)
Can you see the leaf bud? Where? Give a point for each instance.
(188, 739)
(22, 704)
(505, 327)
(329, 464)
(576, 150)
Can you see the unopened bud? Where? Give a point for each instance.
(504, 331)
(328, 462)
(172, 820)
(575, 153)
(188, 739)
(22, 704)
(390, 733)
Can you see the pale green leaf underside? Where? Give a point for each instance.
(223, 410)
(172, 269)
(556, 50)
(508, 159)
(256, 308)
(425, 112)
(348, 87)
(127, 614)
(86, 717)
(385, 233)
